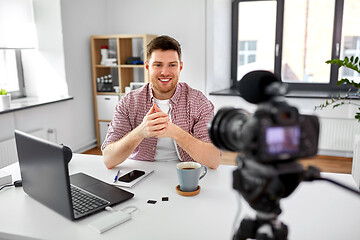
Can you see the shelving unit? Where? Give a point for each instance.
(117, 73)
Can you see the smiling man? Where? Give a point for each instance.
(166, 120)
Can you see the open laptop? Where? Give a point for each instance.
(45, 178)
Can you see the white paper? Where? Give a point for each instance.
(124, 171)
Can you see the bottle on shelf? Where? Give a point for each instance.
(104, 54)
(98, 84)
(110, 81)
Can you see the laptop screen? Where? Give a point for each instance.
(44, 172)
(45, 177)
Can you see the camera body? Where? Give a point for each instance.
(275, 132)
(268, 141)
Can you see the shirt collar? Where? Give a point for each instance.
(174, 99)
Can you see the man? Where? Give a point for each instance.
(165, 120)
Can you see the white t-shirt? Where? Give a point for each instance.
(166, 149)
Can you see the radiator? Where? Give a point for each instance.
(338, 134)
(8, 153)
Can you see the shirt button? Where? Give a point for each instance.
(153, 148)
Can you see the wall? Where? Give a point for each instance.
(183, 20)
(80, 20)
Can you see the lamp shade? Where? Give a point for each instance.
(17, 26)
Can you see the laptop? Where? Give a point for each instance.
(45, 178)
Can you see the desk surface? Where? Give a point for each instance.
(316, 210)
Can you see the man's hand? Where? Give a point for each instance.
(154, 123)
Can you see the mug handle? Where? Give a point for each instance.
(204, 171)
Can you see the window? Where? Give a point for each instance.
(293, 39)
(11, 74)
(247, 52)
(351, 48)
(17, 32)
(254, 41)
(307, 41)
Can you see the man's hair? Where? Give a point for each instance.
(163, 43)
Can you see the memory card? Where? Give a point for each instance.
(151, 201)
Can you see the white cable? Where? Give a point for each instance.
(134, 209)
(110, 209)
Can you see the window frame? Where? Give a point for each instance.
(330, 87)
(19, 68)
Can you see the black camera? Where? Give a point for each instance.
(268, 141)
(275, 132)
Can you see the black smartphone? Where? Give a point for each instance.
(131, 176)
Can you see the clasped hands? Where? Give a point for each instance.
(156, 123)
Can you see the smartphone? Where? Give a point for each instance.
(131, 176)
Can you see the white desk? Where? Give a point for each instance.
(316, 210)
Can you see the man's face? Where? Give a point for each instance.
(164, 68)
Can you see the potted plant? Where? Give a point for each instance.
(4, 100)
(351, 63)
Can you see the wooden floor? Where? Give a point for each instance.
(325, 163)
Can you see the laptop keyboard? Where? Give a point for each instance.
(84, 202)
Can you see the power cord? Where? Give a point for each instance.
(339, 184)
(17, 183)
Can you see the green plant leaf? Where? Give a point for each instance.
(357, 116)
(351, 62)
(347, 81)
(3, 92)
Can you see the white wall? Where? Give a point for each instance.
(80, 20)
(218, 41)
(184, 20)
(44, 70)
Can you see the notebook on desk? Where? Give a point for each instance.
(45, 178)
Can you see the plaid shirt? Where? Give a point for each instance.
(190, 110)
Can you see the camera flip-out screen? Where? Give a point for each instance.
(283, 139)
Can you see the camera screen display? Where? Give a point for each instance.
(283, 139)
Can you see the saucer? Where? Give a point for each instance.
(187, 194)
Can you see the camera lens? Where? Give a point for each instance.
(225, 128)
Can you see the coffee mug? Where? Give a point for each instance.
(189, 175)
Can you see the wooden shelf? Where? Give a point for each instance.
(104, 66)
(109, 93)
(120, 47)
(132, 66)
